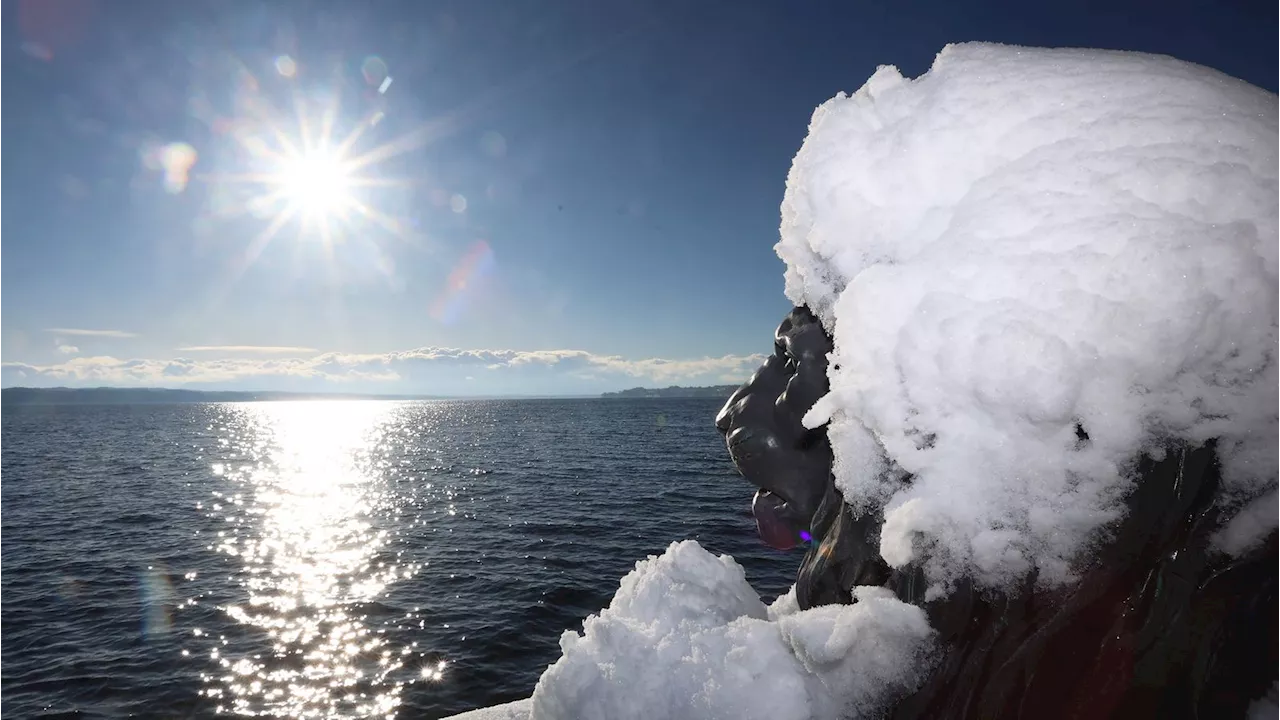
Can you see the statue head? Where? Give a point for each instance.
(1156, 608)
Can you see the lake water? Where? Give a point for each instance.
(337, 559)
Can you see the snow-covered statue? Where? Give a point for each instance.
(1048, 284)
(1024, 417)
(1157, 624)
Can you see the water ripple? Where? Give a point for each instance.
(336, 559)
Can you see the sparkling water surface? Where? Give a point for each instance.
(337, 559)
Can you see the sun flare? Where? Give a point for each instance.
(310, 172)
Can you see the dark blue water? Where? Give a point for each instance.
(337, 559)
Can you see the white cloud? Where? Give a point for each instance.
(68, 349)
(256, 349)
(91, 333)
(428, 370)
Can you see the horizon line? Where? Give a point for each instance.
(360, 395)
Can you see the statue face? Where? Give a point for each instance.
(789, 465)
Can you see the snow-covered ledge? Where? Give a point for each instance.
(1019, 248)
(518, 710)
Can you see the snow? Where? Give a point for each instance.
(1022, 242)
(784, 604)
(518, 710)
(1266, 707)
(686, 636)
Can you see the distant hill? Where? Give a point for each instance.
(153, 396)
(675, 391)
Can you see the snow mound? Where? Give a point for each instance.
(686, 636)
(1037, 264)
(1266, 707)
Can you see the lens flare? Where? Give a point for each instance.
(286, 66)
(464, 283)
(174, 160)
(157, 602)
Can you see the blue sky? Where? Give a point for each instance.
(570, 196)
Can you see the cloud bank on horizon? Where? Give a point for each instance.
(427, 370)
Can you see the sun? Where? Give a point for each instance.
(316, 185)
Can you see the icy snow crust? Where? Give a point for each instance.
(686, 637)
(1019, 244)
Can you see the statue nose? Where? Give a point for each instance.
(756, 396)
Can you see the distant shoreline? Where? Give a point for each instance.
(12, 396)
(675, 391)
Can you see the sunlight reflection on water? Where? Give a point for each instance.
(301, 521)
